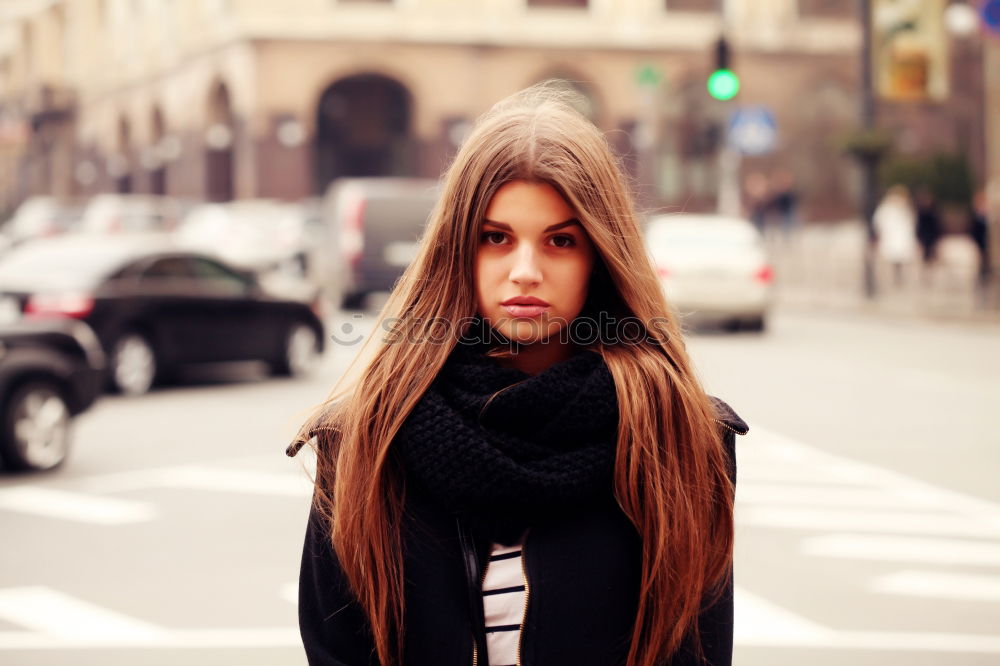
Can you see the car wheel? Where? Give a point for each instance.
(732, 326)
(36, 427)
(353, 300)
(301, 352)
(755, 325)
(132, 364)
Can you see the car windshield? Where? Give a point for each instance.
(138, 220)
(714, 234)
(60, 266)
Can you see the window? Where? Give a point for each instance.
(220, 277)
(170, 268)
(694, 5)
(127, 274)
(827, 9)
(581, 4)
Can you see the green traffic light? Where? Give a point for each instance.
(723, 84)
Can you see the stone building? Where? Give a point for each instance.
(218, 99)
(992, 105)
(992, 114)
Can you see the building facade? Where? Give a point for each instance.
(991, 82)
(221, 99)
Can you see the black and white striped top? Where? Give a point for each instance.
(504, 603)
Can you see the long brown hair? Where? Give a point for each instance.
(670, 477)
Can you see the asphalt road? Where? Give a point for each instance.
(868, 509)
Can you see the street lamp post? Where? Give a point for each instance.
(723, 85)
(868, 162)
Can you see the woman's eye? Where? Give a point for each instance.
(564, 241)
(496, 236)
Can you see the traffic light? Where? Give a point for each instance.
(723, 84)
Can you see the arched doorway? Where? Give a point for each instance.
(219, 140)
(363, 129)
(158, 174)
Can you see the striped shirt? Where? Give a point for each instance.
(504, 601)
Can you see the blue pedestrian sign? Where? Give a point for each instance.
(991, 15)
(752, 130)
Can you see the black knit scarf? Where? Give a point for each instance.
(542, 447)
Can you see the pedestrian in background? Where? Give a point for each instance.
(895, 225)
(534, 488)
(979, 230)
(785, 201)
(928, 227)
(756, 198)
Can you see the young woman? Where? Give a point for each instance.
(526, 470)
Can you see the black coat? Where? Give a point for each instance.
(583, 586)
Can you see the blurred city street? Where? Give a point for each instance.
(197, 197)
(868, 510)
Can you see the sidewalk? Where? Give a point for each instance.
(821, 268)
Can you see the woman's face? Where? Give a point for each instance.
(534, 263)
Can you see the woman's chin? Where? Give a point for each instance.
(530, 333)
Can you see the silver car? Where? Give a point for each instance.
(714, 269)
(374, 225)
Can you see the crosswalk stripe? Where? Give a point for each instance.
(280, 637)
(762, 471)
(199, 477)
(899, 522)
(78, 507)
(939, 585)
(91, 506)
(924, 641)
(58, 615)
(237, 481)
(881, 641)
(788, 459)
(890, 548)
(791, 634)
(759, 620)
(261, 637)
(830, 496)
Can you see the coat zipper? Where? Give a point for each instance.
(729, 427)
(524, 613)
(475, 648)
(527, 594)
(471, 559)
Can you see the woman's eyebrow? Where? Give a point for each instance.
(559, 225)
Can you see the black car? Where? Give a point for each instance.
(49, 372)
(154, 307)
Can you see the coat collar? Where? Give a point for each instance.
(728, 417)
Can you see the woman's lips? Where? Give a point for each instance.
(525, 310)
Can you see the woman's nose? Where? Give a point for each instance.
(526, 268)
